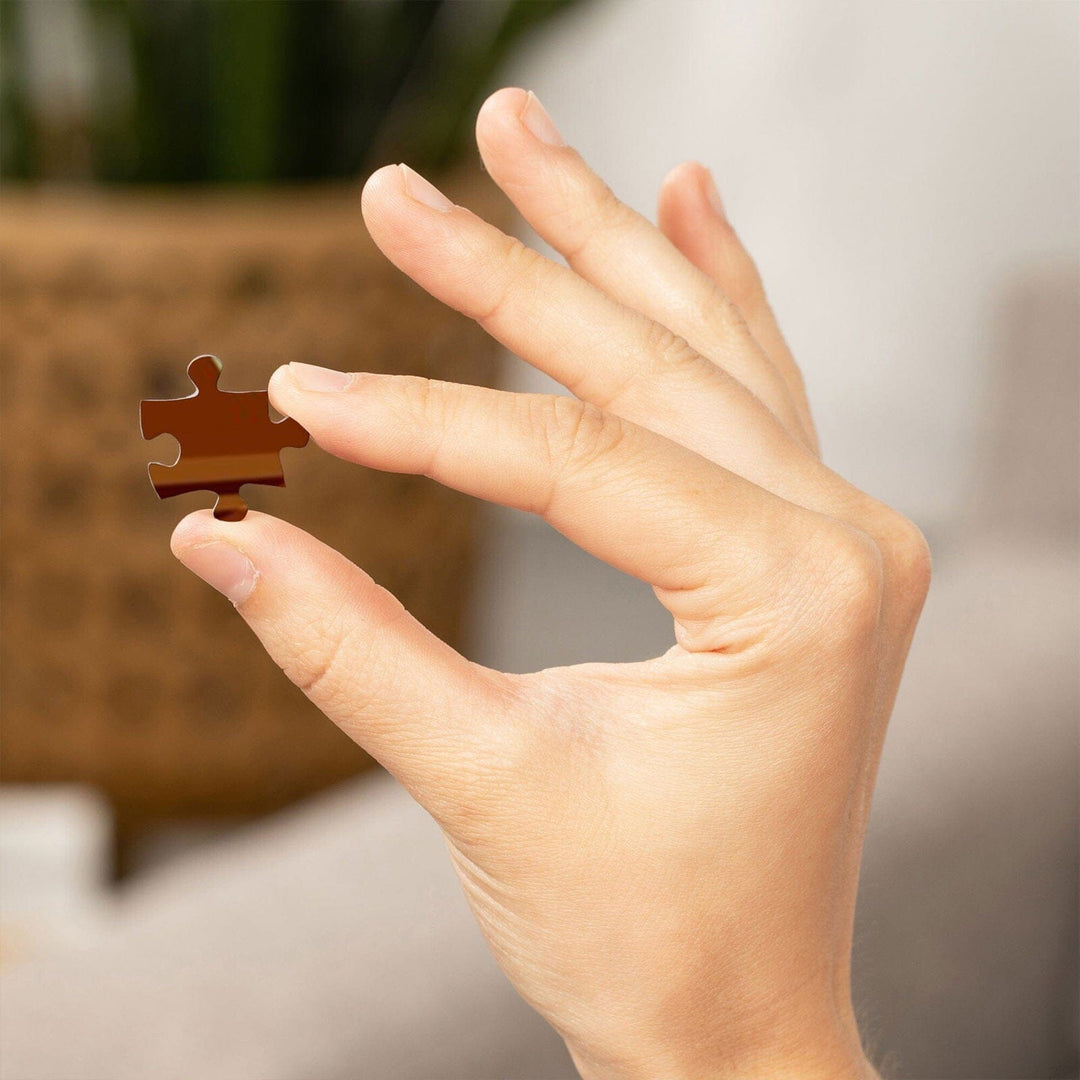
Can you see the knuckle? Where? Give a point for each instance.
(847, 566)
(575, 434)
(518, 263)
(908, 558)
(426, 406)
(598, 214)
(724, 315)
(315, 666)
(411, 397)
(606, 207)
(519, 259)
(338, 662)
(667, 351)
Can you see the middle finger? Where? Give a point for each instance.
(605, 353)
(617, 249)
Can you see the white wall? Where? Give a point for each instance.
(894, 167)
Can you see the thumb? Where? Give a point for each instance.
(436, 721)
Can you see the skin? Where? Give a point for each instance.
(663, 856)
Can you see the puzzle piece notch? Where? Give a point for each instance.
(226, 438)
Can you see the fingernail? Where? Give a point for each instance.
(313, 377)
(424, 191)
(224, 567)
(535, 117)
(713, 195)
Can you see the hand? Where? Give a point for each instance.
(663, 856)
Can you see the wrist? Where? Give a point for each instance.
(827, 1054)
(814, 1067)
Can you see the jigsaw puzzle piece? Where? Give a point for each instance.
(154, 418)
(230, 507)
(288, 432)
(226, 438)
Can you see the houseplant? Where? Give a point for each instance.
(210, 153)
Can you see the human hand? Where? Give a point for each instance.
(663, 856)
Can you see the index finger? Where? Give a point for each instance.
(715, 545)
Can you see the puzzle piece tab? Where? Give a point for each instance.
(226, 437)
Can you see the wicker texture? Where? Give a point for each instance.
(119, 667)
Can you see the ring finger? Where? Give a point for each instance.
(619, 251)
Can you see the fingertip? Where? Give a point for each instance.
(397, 205)
(201, 527)
(383, 205)
(191, 531)
(500, 135)
(280, 388)
(507, 102)
(380, 177)
(210, 552)
(515, 135)
(686, 174)
(380, 185)
(690, 187)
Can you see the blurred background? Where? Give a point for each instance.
(199, 876)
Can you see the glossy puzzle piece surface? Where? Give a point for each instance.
(226, 438)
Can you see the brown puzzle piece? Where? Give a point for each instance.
(226, 437)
